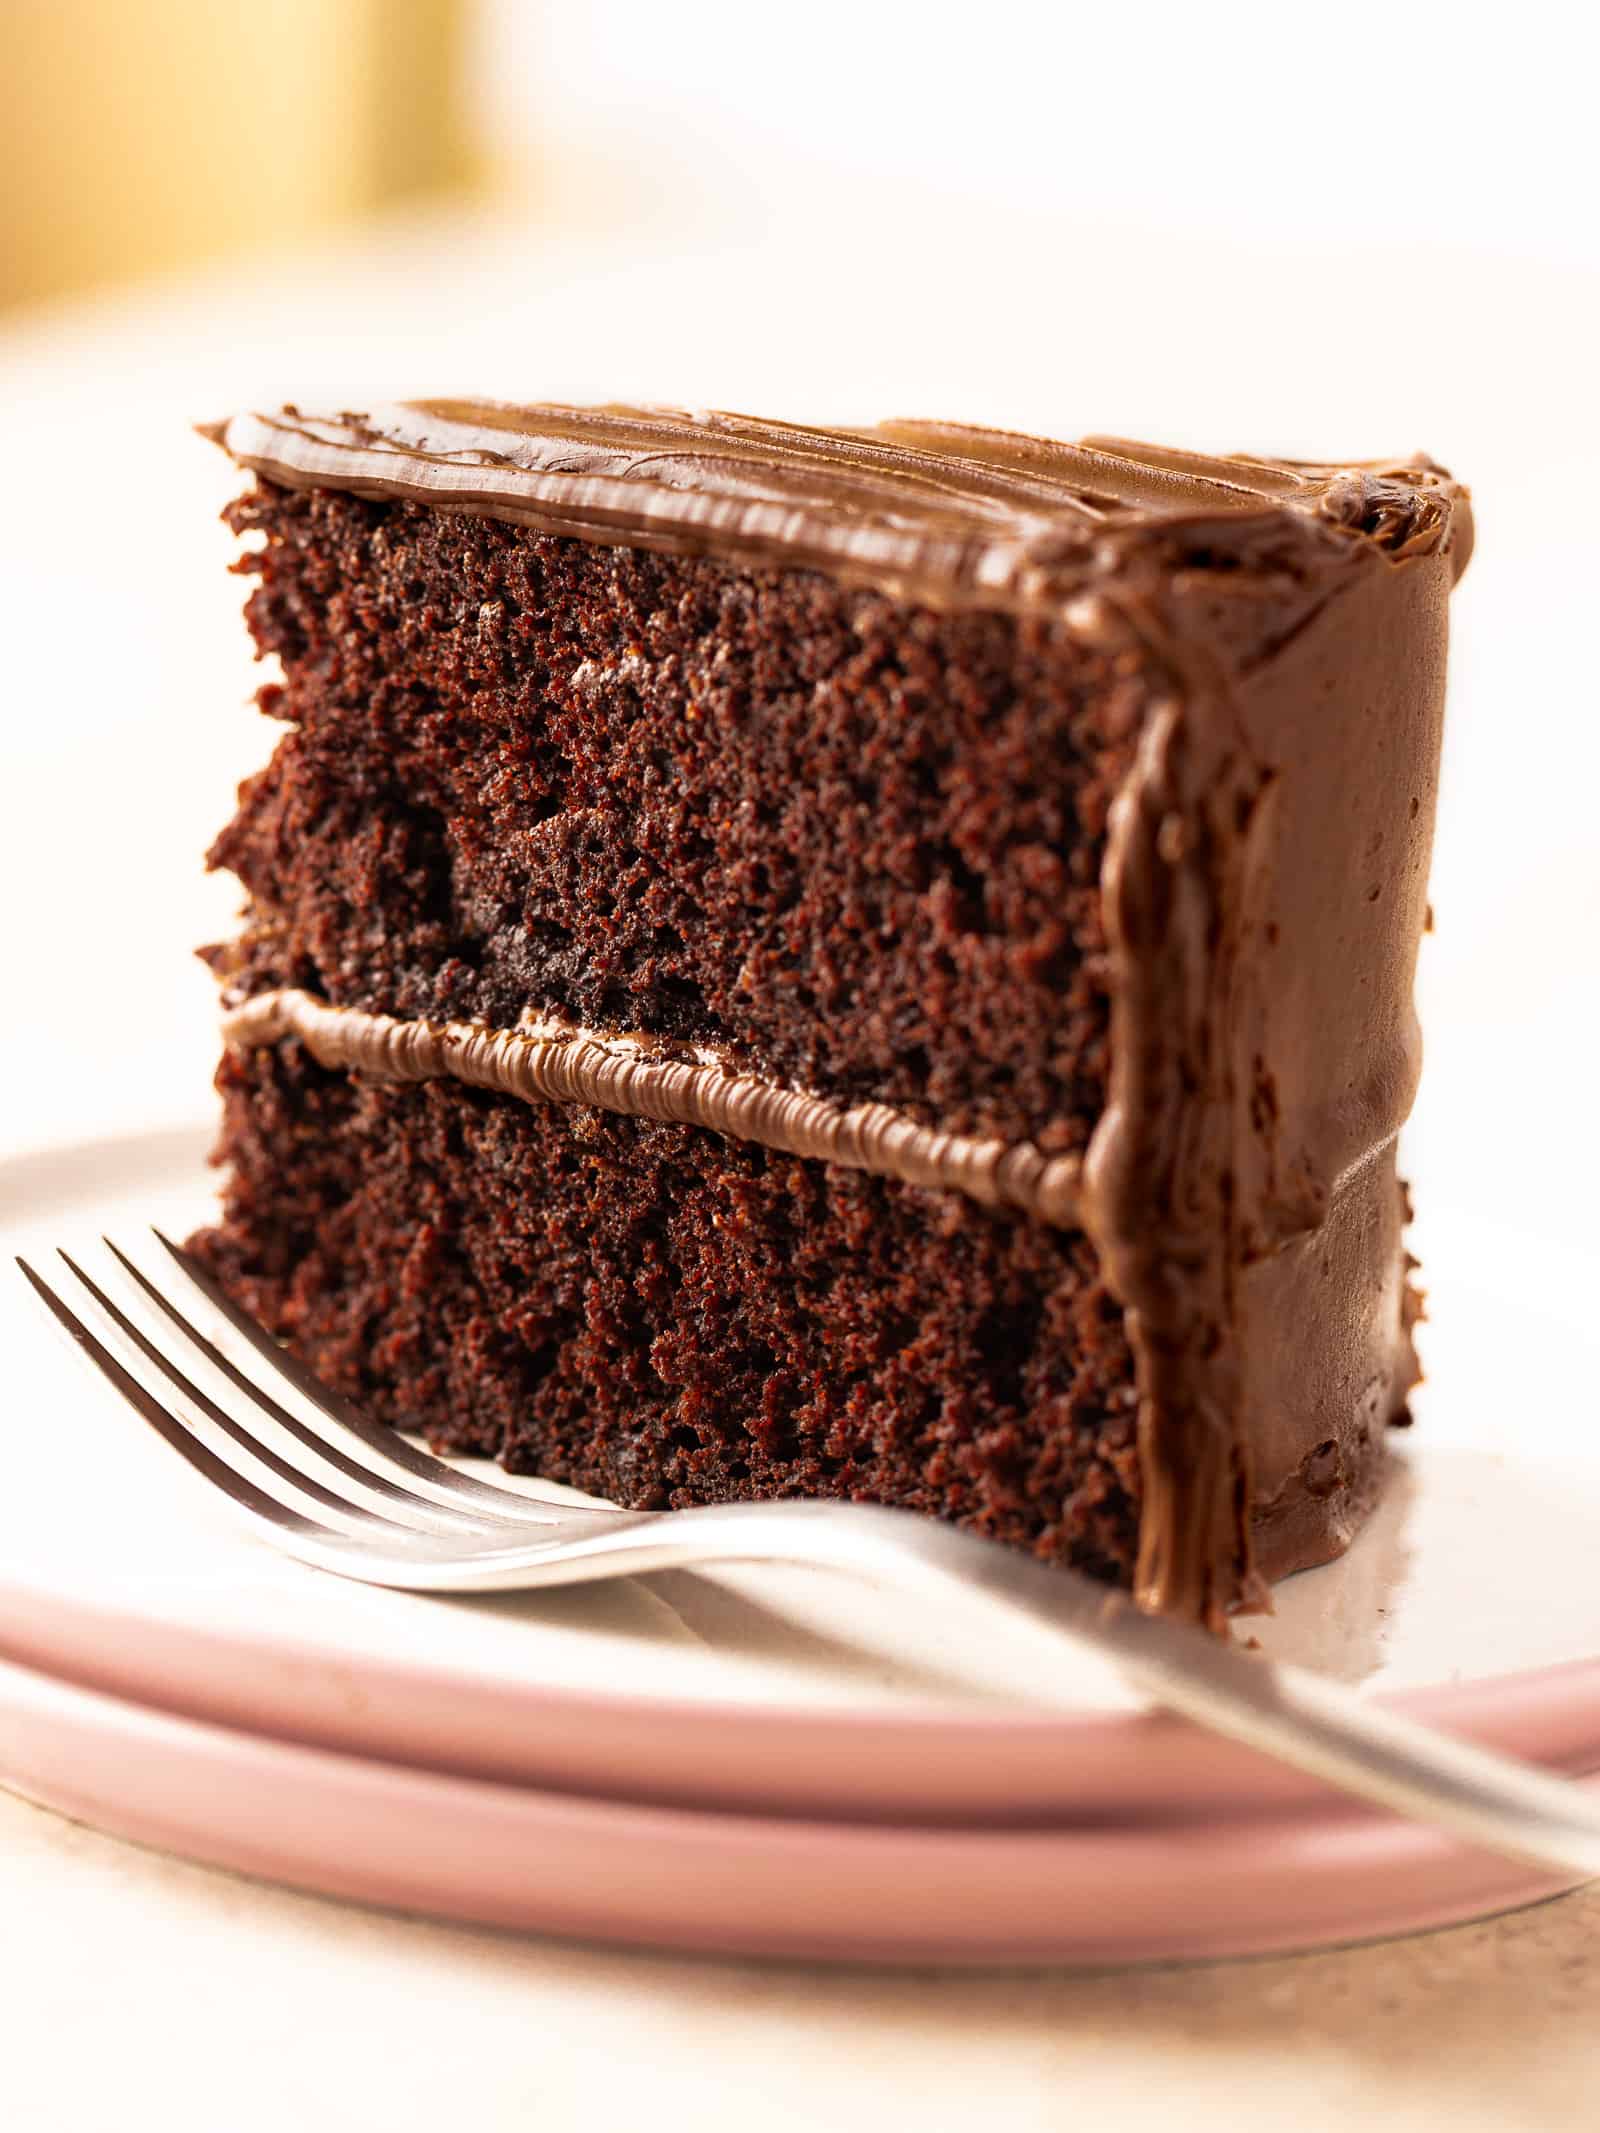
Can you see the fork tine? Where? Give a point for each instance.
(167, 1425)
(236, 1431)
(353, 1470)
(387, 1444)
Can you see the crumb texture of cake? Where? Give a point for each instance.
(861, 962)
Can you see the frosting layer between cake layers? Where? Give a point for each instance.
(639, 1078)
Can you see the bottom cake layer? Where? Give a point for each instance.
(665, 1316)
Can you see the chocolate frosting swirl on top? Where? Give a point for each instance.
(948, 513)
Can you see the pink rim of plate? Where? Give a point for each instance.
(953, 1767)
(616, 1871)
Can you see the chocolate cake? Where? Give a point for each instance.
(856, 963)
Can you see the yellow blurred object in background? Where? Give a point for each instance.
(141, 135)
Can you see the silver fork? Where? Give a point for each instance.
(403, 1519)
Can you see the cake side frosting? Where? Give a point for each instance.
(1265, 892)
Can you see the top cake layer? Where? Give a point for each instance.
(941, 512)
(855, 848)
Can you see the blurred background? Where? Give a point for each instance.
(1362, 231)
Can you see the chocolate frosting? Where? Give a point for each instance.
(945, 513)
(1263, 890)
(643, 1078)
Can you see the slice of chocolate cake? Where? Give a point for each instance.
(864, 963)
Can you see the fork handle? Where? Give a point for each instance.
(1299, 1718)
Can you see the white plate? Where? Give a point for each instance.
(1471, 1597)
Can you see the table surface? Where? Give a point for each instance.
(255, 2009)
(128, 1975)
